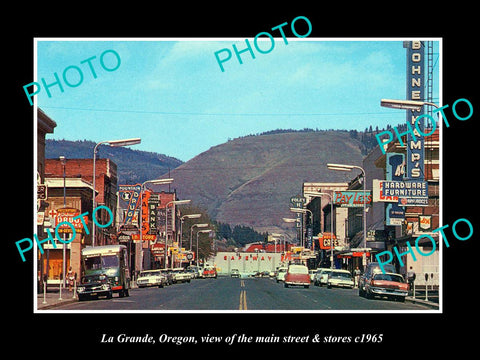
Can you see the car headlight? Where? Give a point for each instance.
(80, 289)
(105, 287)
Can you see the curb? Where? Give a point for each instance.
(423, 302)
(41, 306)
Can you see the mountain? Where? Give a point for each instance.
(133, 166)
(249, 180)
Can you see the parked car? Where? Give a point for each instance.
(281, 272)
(372, 269)
(151, 278)
(235, 273)
(311, 273)
(181, 275)
(391, 285)
(209, 272)
(168, 275)
(340, 278)
(297, 275)
(316, 276)
(321, 277)
(193, 270)
(94, 286)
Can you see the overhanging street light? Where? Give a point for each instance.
(302, 211)
(124, 142)
(198, 232)
(187, 216)
(343, 167)
(154, 182)
(191, 231)
(114, 143)
(174, 202)
(405, 104)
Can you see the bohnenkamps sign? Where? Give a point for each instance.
(415, 91)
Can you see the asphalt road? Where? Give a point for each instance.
(225, 293)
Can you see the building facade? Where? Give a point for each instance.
(45, 125)
(106, 183)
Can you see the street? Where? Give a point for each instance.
(225, 293)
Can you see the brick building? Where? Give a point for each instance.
(78, 200)
(105, 184)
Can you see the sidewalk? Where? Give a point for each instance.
(420, 298)
(51, 298)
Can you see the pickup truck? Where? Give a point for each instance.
(181, 275)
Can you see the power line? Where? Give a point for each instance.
(220, 114)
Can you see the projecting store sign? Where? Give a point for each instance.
(352, 198)
(415, 91)
(408, 192)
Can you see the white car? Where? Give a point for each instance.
(321, 277)
(281, 274)
(151, 278)
(340, 278)
(181, 275)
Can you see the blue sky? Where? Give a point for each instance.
(173, 95)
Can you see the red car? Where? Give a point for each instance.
(297, 275)
(209, 272)
(388, 284)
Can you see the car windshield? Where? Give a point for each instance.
(298, 269)
(93, 279)
(389, 277)
(101, 262)
(326, 272)
(149, 273)
(340, 275)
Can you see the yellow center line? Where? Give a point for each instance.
(243, 297)
(243, 300)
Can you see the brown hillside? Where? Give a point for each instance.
(249, 180)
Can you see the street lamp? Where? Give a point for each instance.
(63, 161)
(188, 216)
(140, 220)
(114, 143)
(277, 235)
(198, 232)
(331, 225)
(302, 211)
(405, 104)
(191, 231)
(343, 167)
(174, 202)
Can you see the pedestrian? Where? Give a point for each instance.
(356, 274)
(71, 278)
(411, 279)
